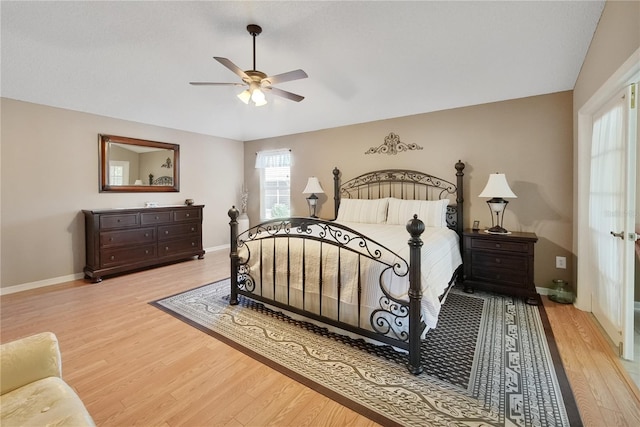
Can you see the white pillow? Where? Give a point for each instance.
(373, 211)
(432, 212)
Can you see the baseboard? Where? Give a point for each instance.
(68, 278)
(543, 291)
(217, 248)
(40, 283)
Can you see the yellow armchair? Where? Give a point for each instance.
(32, 392)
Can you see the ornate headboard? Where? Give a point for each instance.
(163, 180)
(405, 184)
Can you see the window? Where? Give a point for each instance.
(275, 183)
(118, 172)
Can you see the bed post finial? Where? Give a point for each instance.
(415, 227)
(336, 191)
(233, 254)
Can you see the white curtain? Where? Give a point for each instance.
(273, 158)
(606, 208)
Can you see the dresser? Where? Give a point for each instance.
(122, 240)
(500, 263)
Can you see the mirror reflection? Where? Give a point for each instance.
(129, 164)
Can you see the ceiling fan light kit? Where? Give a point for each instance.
(257, 81)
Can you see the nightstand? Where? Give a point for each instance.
(500, 263)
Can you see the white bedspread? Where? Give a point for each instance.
(440, 256)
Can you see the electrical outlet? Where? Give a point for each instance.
(561, 262)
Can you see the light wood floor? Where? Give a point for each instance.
(132, 364)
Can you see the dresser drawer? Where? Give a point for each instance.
(499, 260)
(128, 255)
(187, 215)
(126, 237)
(118, 221)
(478, 243)
(166, 232)
(173, 247)
(155, 217)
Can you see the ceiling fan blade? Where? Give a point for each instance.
(215, 84)
(233, 67)
(285, 94)
(284, 77)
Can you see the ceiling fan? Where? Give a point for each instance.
(257, 81)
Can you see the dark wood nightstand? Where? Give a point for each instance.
(500, 263)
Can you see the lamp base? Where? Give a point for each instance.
(497, 230)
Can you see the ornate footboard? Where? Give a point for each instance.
(274, 279)
(335, 274)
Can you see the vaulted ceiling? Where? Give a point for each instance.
(365, 60)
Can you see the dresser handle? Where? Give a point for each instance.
(188, 215)
(193, 243)
(498, 260)
(193, 229)
(146, 234)
(157, 217)
(111, 239)
(498, 245)
(166, 248)
(166, 232)
(146, 252)
(112, 257)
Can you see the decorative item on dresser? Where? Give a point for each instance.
(501, 263)
(122, 240)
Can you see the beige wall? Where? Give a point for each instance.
(529, 139)
(616, 38)
(50, 173)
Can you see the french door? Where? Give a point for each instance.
(612, 204)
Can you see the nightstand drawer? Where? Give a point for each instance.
(498, 260)
(478, 243)
(516, 278)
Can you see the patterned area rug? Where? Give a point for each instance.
(487, 363)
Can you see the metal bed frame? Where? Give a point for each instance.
(404, 184)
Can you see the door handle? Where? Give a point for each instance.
(634, 237)
(620, 234)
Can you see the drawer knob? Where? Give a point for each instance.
(193, 229)
(146, 234)
(498, 260)
(157, 217)
(188, 215)
(146, 251)
(193, 243)
(118, 220)
(166, 248)
(111, 239)
(498, 245)
(112, 257)
(166, 232)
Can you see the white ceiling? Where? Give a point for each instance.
(365, 60)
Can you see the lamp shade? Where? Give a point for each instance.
(313, 186)
(497, 186)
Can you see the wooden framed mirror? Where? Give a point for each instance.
(130, 165)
